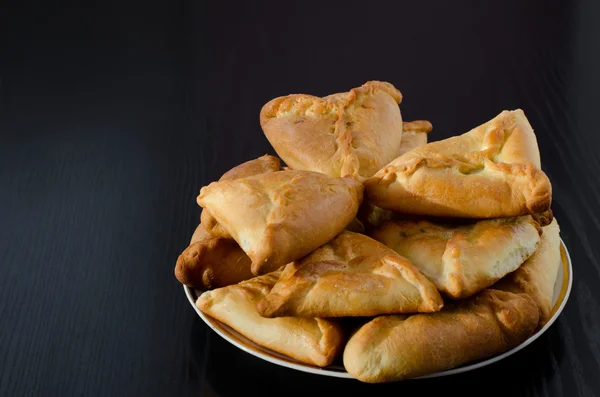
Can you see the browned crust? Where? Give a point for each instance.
(462, 259)
(498, 160)
(421, 126)
(314, 341)
(265, 163)
(537, 276)
(352, 275)
(212, 262)
(340, 134)
(281, 216)
(393, 348)
(302, 103)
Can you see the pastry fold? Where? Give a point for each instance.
(414, 134)
(212, 262)
(393, 348)
(462, 259)
(257, 166)
(281, 216)
(537, 276)
(491, 171)
(313, 341)
(353, 133)
(352, 275)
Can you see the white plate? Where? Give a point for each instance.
(562, 290)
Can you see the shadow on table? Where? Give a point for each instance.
(229, 371)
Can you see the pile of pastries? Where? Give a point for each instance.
(361, 243)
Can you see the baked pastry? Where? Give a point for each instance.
(313, 341)
(491, 171)
(462, 259)
(393, 348)
(353, 133)
(537, 276)
(199, 234)
(257, 166)
(281, 216)
(414, 134)
(212, 262)
(352, 275)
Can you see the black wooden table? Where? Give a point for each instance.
(113, 114)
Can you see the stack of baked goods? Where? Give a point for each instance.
(445, 252)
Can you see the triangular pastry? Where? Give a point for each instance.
(281, 216)
(462, 259)
(352, 275)
(212, 262)
(353, 133)
(537, 276)
(313, 341)
(257, 166)
(490, 171)
(394, 348)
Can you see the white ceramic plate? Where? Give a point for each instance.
(562, 290)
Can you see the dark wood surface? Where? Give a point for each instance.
(114, 114)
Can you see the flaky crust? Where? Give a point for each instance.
(281, 216)
(310, 340)
(537, 276)
(490, 171)
(462, 259)
(352, 275)
(393, 348)
(414, 134)
(212, 262)
(257, 166)
(353, 133)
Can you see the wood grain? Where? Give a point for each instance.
(114, 114)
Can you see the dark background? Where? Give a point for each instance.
(114, 114)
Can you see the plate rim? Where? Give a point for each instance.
(453, 371)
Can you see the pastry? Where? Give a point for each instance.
(490, 171)
(537, 276)
(281, 216)
(353, 133)
(313, 341)
(352, 275)
(393, 348)
(461, 259)
(199, 234)
(257, 166)
(212, 262)
(414, 134)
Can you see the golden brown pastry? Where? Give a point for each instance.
(352, 275)
(393, 348)
(463, 259)
(353, 133)
(212, 262)
(257, 166)
(199, 234)
(281, 216)
(309, 340)
(414, 134)
(537, 276)
(490, 171)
